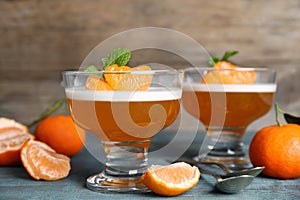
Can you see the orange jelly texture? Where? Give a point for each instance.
(123, 121)
(231, 109)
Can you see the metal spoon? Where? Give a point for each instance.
(227, 172)
(230, 185)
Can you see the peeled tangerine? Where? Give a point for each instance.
(42, 162)
(231, 76)
(13, 135)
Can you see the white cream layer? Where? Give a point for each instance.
(121, 96)
(231, 87)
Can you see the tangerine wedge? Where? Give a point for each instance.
(97, 83)
(171, 180)
(136, 81)
(42, 162)
(120, 80)
(113, 79)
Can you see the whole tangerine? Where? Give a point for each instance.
(60, 133)
(278, 149)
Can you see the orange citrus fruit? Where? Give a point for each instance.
(97, 83)
(225, 65)
(113, 79)
(171, 180)
(222, 76)
(60, 133)
(135, 81)
(278, 149)
(12, 124)
(120, 80)
(42, 162)
(13, 135)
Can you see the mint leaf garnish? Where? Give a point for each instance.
(91, 68)
(213, 60)
(119, 56)
(228, 54)
(104, 62)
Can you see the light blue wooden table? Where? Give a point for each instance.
(15, 183)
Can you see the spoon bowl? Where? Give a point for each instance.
(234, 184)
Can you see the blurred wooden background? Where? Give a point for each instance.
(40, 39)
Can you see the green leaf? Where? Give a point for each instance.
(212, 61)
(291, 119)
(228, 54)
(49, 111)
(104, 62)
(123, 59)
(119, 56)
(91, 68)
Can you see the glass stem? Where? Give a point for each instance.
(126, 159)
(226, 142)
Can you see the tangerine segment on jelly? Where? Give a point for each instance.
(122, 80)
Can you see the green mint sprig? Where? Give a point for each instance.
(119, 56)
(92, 68)
(214, 60)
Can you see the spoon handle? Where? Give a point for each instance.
(223, 167)
(204, 171)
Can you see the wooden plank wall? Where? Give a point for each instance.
(40, 39)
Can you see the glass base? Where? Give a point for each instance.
(226, 147)
(105, 184)
(233, 163)
(125, 163)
